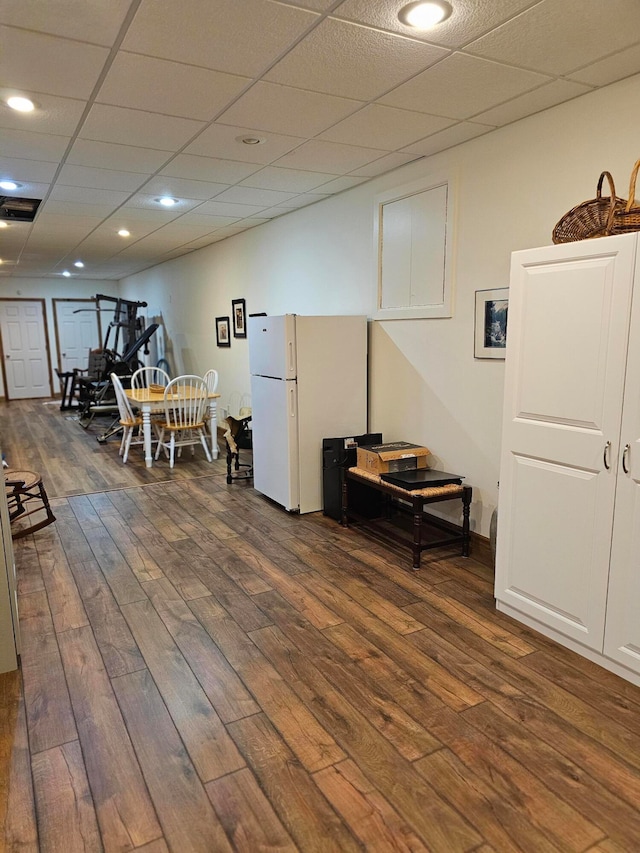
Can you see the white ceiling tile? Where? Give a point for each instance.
(106, 234)
(152, 130)
(27, 189)
(616, 67)
(208, 169)
(390, 127)
(332, 157)
(183, 188)
(150, 202)
(51, 222)
(461, 86)
(351, 61)
(239, 38)
(122, 158)
(222, 140)
(160, 86)
(27, 170)
(33, 146)
(346, 182)
(208, 222)
(239, 211)
(287, 180)
(52, 115)
(448, 138)
(104, 179)
(384, 164)
(283, 109)
(254, 196)
(533, 102)
(88, 195)
(229, 231)
(69, 208)
(98, 23)
(128, 215)
(469, 18)
(63, 67)
(316, 5)
(557, 38)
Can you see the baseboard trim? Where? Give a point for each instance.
(481, 550)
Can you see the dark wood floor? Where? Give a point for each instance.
(203, 672)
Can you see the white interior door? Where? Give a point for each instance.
(568, 329)
(622, 632)
(24, 344)
(77, 332)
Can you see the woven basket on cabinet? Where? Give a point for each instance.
(628, 218)
(592, 218)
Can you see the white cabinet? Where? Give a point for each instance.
(568, 548)
(9, 628)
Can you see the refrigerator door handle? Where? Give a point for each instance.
(292, 361)
(292, 402)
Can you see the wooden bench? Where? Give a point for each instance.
(416, 500)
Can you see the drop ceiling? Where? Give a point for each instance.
(136, 99)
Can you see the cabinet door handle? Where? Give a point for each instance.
(606, 454)
(625, 457)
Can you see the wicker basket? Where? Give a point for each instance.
(628, 219)
(593, 218)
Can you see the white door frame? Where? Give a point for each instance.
(43, 305)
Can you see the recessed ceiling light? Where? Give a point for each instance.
(66, 274)
(124, 233)
(167, 200)
(9, 185)
(78, 264)
(424, 15)
(22, 105)
(251, 140)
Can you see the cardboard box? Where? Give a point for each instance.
(392, 456)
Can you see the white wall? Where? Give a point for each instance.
(425, 385)
(49, 289)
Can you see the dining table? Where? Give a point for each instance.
(149, 401)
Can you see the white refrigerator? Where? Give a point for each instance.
(308, 382)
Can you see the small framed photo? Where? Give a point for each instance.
(239, 308)
(223, 335)
(491, 323)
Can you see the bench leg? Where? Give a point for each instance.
(417, 533)
(466, 507)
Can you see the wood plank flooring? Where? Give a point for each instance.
(202, 671)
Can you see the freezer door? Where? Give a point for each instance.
(274, 423)
(272, 346)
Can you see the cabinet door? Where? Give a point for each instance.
(566, 352)
(622, 633)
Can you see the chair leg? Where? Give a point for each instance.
(172, 449)
(203, 440)
(160, 440)
(127, 443)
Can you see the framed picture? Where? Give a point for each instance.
(239, 308)
(491, 323)
(223, 335)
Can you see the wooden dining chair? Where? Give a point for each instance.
(129, 420)
(27, 499)
(185, 405)
(145, 377)
(211, 378)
